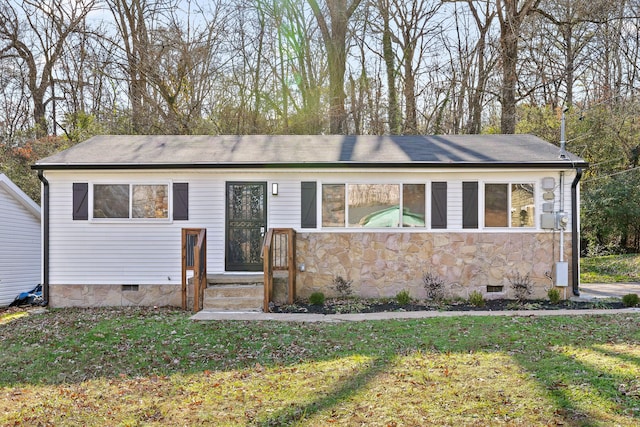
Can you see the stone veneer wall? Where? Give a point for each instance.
(114, 296)
(382, 264)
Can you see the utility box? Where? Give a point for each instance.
(548, 221)
(548, 183)
(561, 274)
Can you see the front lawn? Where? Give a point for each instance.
(157, 367)
(610, 269)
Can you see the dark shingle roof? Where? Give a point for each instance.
(170, 151)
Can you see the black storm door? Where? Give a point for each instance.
(246, 225)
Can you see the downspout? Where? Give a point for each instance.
(575, 249)
(45, 236)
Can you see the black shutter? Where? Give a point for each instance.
(308, 205)
(438, 205)
(180, 201)
(469, 205)
(80, 201)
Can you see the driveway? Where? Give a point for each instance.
(606, 290)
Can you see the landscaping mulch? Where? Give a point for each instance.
(343, 306)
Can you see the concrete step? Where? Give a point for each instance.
(233, 304)
(234, 297)
(234, 291)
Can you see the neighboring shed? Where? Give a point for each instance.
(20, 253)
(382, 211)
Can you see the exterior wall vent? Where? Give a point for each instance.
(130, 288)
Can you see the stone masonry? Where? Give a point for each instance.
(382, 264)
(114, 296)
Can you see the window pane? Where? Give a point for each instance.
(333, 205)
(374, 205)
(496, 205)
(413, 204)
(522, 205)
(150, 201)
(111, 201)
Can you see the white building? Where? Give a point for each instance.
(476, 210)
(20, 255)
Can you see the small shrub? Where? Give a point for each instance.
(434, 286)
(316, 298)
(630, 300)
(403, 298)
(522, 286)
(476, 299)
(351, 306)
(342, 286)
(554, 295)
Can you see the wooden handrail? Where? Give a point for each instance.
(279, 253)
(200, 270)
(194, 258)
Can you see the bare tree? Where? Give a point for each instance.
(394, 115)
(511, 16)
(34, 34)
(334, 33)
(135, 21)
(15, 115)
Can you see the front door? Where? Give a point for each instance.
(246, 225)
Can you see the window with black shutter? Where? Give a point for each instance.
(80, 201)
(180, 201)
(469, 205)
(438, 205)
(308, 205)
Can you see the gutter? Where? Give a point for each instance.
(575, 249)
(45, 237)
(312, 165)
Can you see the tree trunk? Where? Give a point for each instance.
(335, 39)
(509, 49)
(411, 123)
(389, 60)
(511, 19)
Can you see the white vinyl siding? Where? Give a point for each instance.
(454, 205)
(19, 247)
(94, 252)
(283, 210)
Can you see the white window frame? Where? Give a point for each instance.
(346, 227)
(509, 184)
(131, 219)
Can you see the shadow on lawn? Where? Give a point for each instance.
(299, 412)
(146, 342)
(605, 390)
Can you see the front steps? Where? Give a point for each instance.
(234, 293)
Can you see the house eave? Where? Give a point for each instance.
(557, 165)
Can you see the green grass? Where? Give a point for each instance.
(148, 367)
(610, 269)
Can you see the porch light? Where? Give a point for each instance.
(274, 188)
